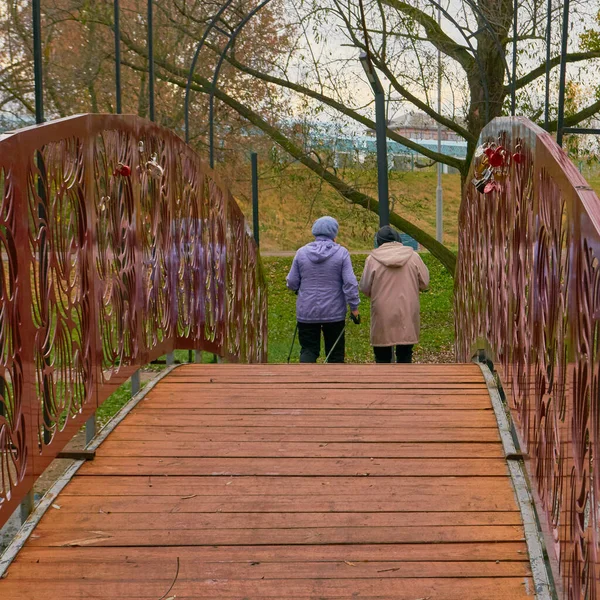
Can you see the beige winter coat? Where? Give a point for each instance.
(392, 278)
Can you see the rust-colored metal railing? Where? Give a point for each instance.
(117, 245)
(528, 292)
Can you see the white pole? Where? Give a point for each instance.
(439, 193)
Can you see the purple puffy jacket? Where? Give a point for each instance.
(323, 277)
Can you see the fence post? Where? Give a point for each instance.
(90, 429)
(170, 359)
(151, 59)
(135, 383)
(255, 221)
(27, 505)
(117, 28)
(37, 62)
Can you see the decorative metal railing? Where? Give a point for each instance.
(117, 245)
(528, 291)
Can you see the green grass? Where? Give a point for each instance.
(437, 317)
(114, 403)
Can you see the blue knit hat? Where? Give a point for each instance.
(326, 227)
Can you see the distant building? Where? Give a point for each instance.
(419, 126)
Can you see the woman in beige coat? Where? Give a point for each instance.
(393, 276)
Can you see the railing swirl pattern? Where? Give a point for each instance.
(117, 245)
(528, 292)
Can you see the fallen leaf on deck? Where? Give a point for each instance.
(56, 506)
(188, 497)
(350, 564)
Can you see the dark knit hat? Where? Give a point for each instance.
(387, 234)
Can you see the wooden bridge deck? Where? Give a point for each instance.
(290, 482)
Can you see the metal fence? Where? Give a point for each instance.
(117, 245)
(528, 291)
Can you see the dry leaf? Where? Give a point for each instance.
(188, 497)
(350, 564)
(56, 506)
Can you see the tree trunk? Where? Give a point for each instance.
(487, 78)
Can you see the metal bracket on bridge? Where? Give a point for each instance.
(77, 454)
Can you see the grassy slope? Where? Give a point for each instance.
(290, 201)
(437, 321)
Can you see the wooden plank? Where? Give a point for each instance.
(436, 387)
(323, 502)
(301, 378)
(476, 552)
(327, 435)
(310, 449)
(194, 367)
(234, 537)
(191, 570)
(465, 467)
(496, 588)
(302, 401)
(185, 420)
(267, 486)
(315, 370)
(465, 416)
(63, 519)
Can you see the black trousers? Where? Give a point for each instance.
(384, 354)
(309, 335)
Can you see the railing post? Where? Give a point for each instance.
(117, 56)
(382, 163)
(548, 66)
(560, 123)
(135, 383)
(513, 86)
(27, 505)
(198, 356)
(151, 60)
(90, 429)
(255, 221)
(37, 62)
(170, 359)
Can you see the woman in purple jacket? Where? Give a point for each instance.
(322, 276)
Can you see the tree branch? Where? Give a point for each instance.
(576, 118)
(435, 34)
(554, 62)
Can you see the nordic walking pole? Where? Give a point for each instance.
(356, 321)
(293, 342)
(336, 343)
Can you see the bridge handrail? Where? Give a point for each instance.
(528, 293)
(117, 245)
